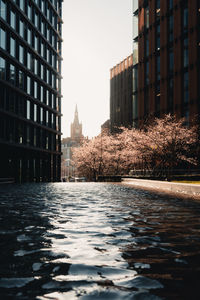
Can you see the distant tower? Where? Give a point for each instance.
(76, 128)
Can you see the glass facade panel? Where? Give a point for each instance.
(21, 28)
(36, 20)
(2, 68)
(35, 89)
(21, 79)
(29, 61)
(29, 36)
(41, 115)
(21, 54)
(28, 109)
(28, 85)
(2, 39)
(3, 9)
(36, 43)
(12, 47)
(13, 20)
(12, 74)
(35, 112)
(36, 66)
(21, 4)
(29, 11)
(42, 94)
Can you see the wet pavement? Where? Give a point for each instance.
(97, 241)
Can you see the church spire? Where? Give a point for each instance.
(76, 120)
(76, 127)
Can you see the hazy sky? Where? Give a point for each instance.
(97, 35)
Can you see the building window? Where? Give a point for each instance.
(146, 17)
(42, 72)
(29, 60)
(41, 115)
(3, 9)
(43, 6)
(35, 89)
(158, 67)
(21, 4)
(28, 110)
(158, 37)
(2, 39)
(36, 43)
(170, 4)
(29, 36)
(48, 34)
(29, 11)
(42, 27)
(28, 85)
(171, 28)
(42, 49)
(47, 118)
(12, 47)
(47, 74)
(36, 20)
(185, 18)
(21, 28)
(12, 74)
(42, 94)
(185, 53)
(36, 66)
(35, 112)
(157, 9)
(13, 20)
(21, 54)
(21, 79)
(2, 68)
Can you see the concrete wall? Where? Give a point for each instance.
(180, 188)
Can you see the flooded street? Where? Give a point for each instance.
(97, 241)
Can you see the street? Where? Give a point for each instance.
(97, 241)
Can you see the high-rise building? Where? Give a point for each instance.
(169, 59)
(30, 86)
(121, 108)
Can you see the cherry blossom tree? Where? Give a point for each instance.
(164, 145)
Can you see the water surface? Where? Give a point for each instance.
(97, 241)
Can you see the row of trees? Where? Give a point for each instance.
(164, 145)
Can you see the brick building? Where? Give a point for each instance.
(169, 59)
(121, 108)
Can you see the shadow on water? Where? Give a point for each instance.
(27, 260)
(97, 241)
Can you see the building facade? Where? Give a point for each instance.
(68, 167)
(169, 59)
(30, 85)
(121, 108)
(76, 128)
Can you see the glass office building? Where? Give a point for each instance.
(30, 89)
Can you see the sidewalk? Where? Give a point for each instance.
(172, 187)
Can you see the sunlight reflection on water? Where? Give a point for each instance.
(96, 241)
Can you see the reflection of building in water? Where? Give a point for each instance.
(67, 145)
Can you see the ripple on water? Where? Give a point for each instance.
(14, 282)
